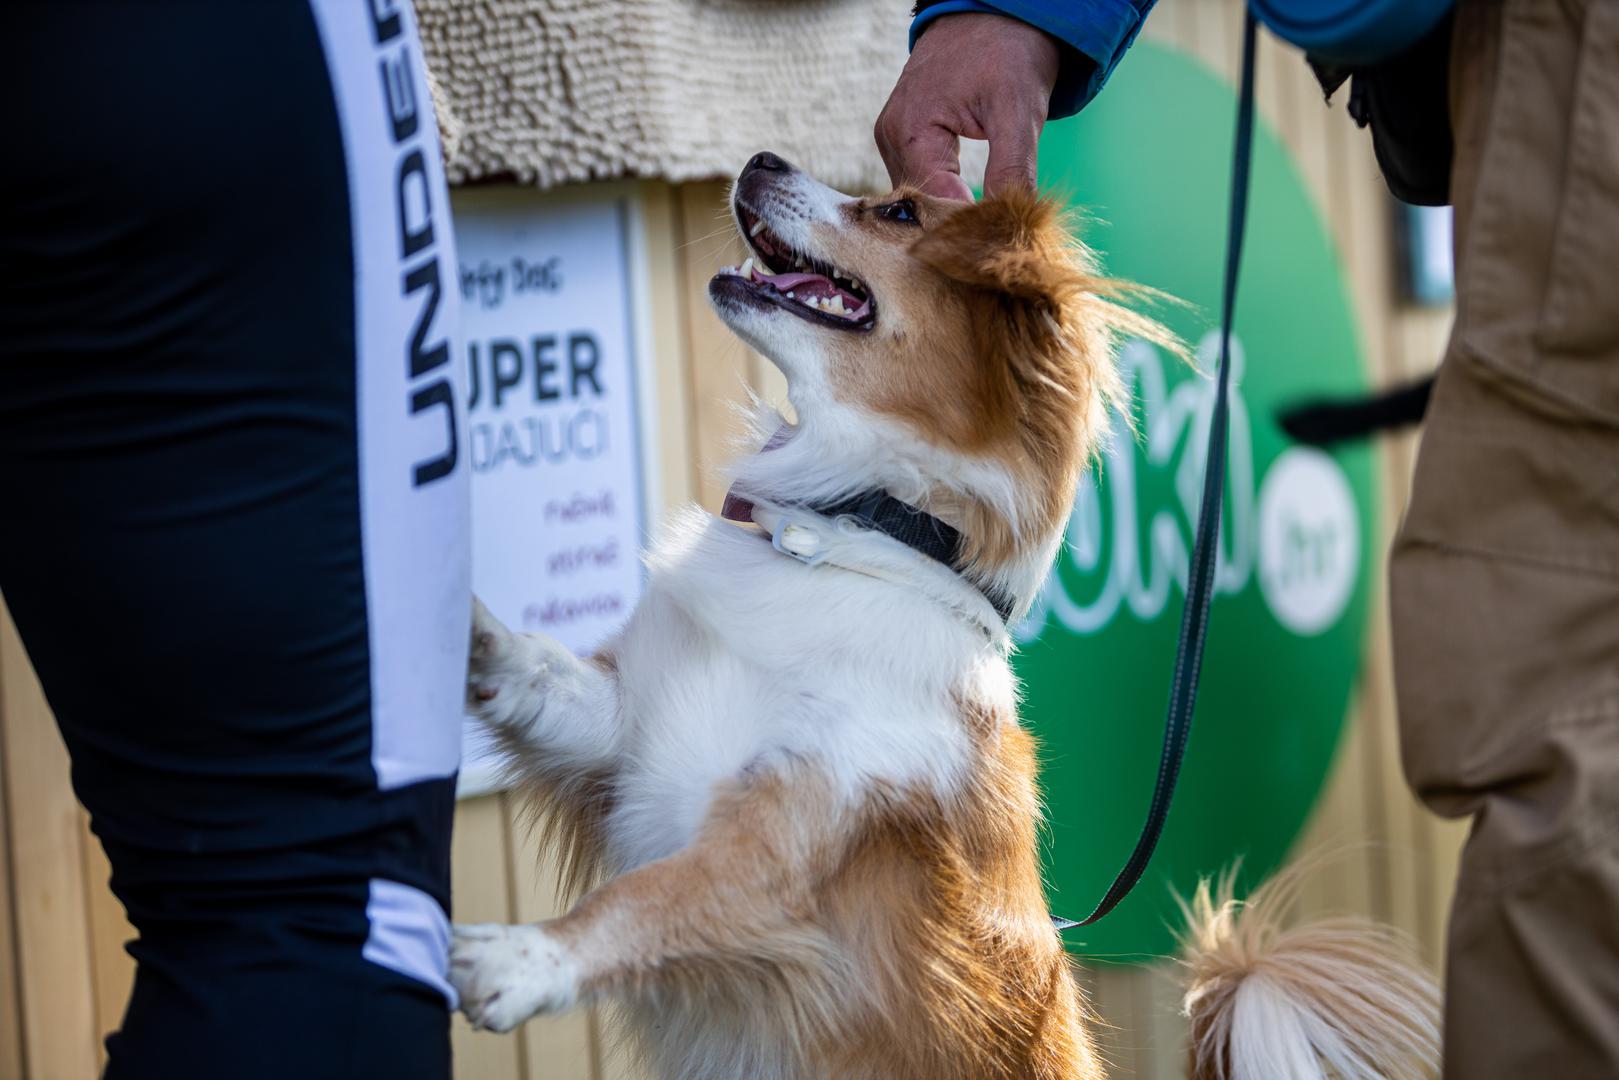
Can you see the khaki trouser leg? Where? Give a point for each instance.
(1505, 577)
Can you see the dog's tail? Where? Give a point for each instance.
(1340, 998)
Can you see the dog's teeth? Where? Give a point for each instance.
(790, 294)
(855, 282)
(836, 306)
(758, 227)
(798, 263)
(747, 269)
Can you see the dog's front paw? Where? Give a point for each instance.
(502, 671)
(506, 974)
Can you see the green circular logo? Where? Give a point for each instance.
(1149, 163)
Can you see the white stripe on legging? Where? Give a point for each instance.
(414, 492)
(409, 934)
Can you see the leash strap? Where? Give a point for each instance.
(1205, 550)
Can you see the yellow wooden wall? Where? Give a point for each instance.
(64, 975)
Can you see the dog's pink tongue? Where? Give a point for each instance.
(807, 286)
(794, 279)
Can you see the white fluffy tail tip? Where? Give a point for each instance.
(1339, 999)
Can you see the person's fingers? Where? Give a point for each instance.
(888, 133)
(879, 135)
(927, 155)
(947, 185)
(1013, 148)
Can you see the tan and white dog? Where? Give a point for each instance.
(793, 791)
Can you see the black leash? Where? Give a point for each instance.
(1200, 579)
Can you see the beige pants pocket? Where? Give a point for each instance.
(1579, 318)
(1536, 103)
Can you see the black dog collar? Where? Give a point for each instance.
(881, 512)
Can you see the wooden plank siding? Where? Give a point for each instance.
(64, 974)
(12, 1051)
(50, 894)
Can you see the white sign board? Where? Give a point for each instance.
(553, 433)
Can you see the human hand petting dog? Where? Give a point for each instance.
(977, 76)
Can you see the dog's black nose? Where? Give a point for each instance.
(766, 161)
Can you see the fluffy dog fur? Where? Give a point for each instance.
(795, 798)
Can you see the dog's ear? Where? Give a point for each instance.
(1016, 244)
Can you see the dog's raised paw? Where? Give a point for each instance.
(489, 635)
(495, 658)
(506, 974)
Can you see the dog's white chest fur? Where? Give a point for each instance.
(739, 656)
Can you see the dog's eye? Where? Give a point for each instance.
(903, 211)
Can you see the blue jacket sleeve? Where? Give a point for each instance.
(1094, 33)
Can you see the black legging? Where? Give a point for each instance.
(235, 512)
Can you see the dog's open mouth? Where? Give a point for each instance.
(796, 280)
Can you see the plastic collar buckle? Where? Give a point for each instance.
(802, 542)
